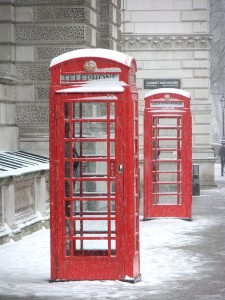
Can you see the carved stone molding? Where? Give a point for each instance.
(119, 4)
(155, 42)
(24, 204)
(32, 114)
(51, 13)
(42, 93)
(32, 72)
(105, 44)
(47, 53)
(40, 32)
(104, 29)
(40, 2)
(106, 13)
(40, 130)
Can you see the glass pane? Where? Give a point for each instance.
(168, 154)
(112, 130)
(66, 110)
(96, 228)
(112, 187)
(67, 150)
(112, 110)
(169, 144)
(155, 153)
(167, 132)
(93, 129)
(167, 121)
(68, 253)
(91, 188)
(90, 129)
(113, 206)
(95, 186)
(98, 168)
(94, 206)
(91, 110)
(67, 208)
(113, 227)
(167, 200)
(67, 227)
(167, 188)
(168, 177)
(169, 166)
(93, 245)
(77, 130)
(67, 189)
(67, 129)
(179, 199)
(86, 207)
(112, 149)
(67, 169)
(113, 246)
(91, 149)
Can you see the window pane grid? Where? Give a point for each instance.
(90, 178)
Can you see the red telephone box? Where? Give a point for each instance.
(94, 167)
(167, 154)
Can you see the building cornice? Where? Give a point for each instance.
(156, 42)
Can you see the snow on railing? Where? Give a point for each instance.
(24, 194)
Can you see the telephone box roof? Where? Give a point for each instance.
(100, 53)
(168, 90)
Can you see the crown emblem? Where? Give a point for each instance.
(90, 66)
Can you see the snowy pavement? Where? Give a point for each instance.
(179, 260)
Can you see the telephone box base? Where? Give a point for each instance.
(126, 279)
(132, 280)
(160, 218)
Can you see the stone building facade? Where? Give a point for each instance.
(32, 33)
(169, 39)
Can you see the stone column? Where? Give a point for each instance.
(2, 217)
(40, 195)
(8, 128)
(9, 203)
(110, 21)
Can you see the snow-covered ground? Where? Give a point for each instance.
(25, 265)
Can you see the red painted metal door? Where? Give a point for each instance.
(90, 165)
(167, 165)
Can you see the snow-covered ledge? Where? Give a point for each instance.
(24, 194)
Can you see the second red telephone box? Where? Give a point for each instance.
(167, 154)
(94, 166)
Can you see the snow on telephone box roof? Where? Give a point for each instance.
(101, 86)
(168, 90)
(100, 53)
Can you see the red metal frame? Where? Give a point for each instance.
(94, 185)
(167, 154)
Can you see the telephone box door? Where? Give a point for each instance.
(90, 162)
(168, 156)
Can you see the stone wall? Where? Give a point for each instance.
(171, 40)
(32, 33)
(217, 66)
(9, 132)
(24, 205)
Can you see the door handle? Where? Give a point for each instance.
(120, 169)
